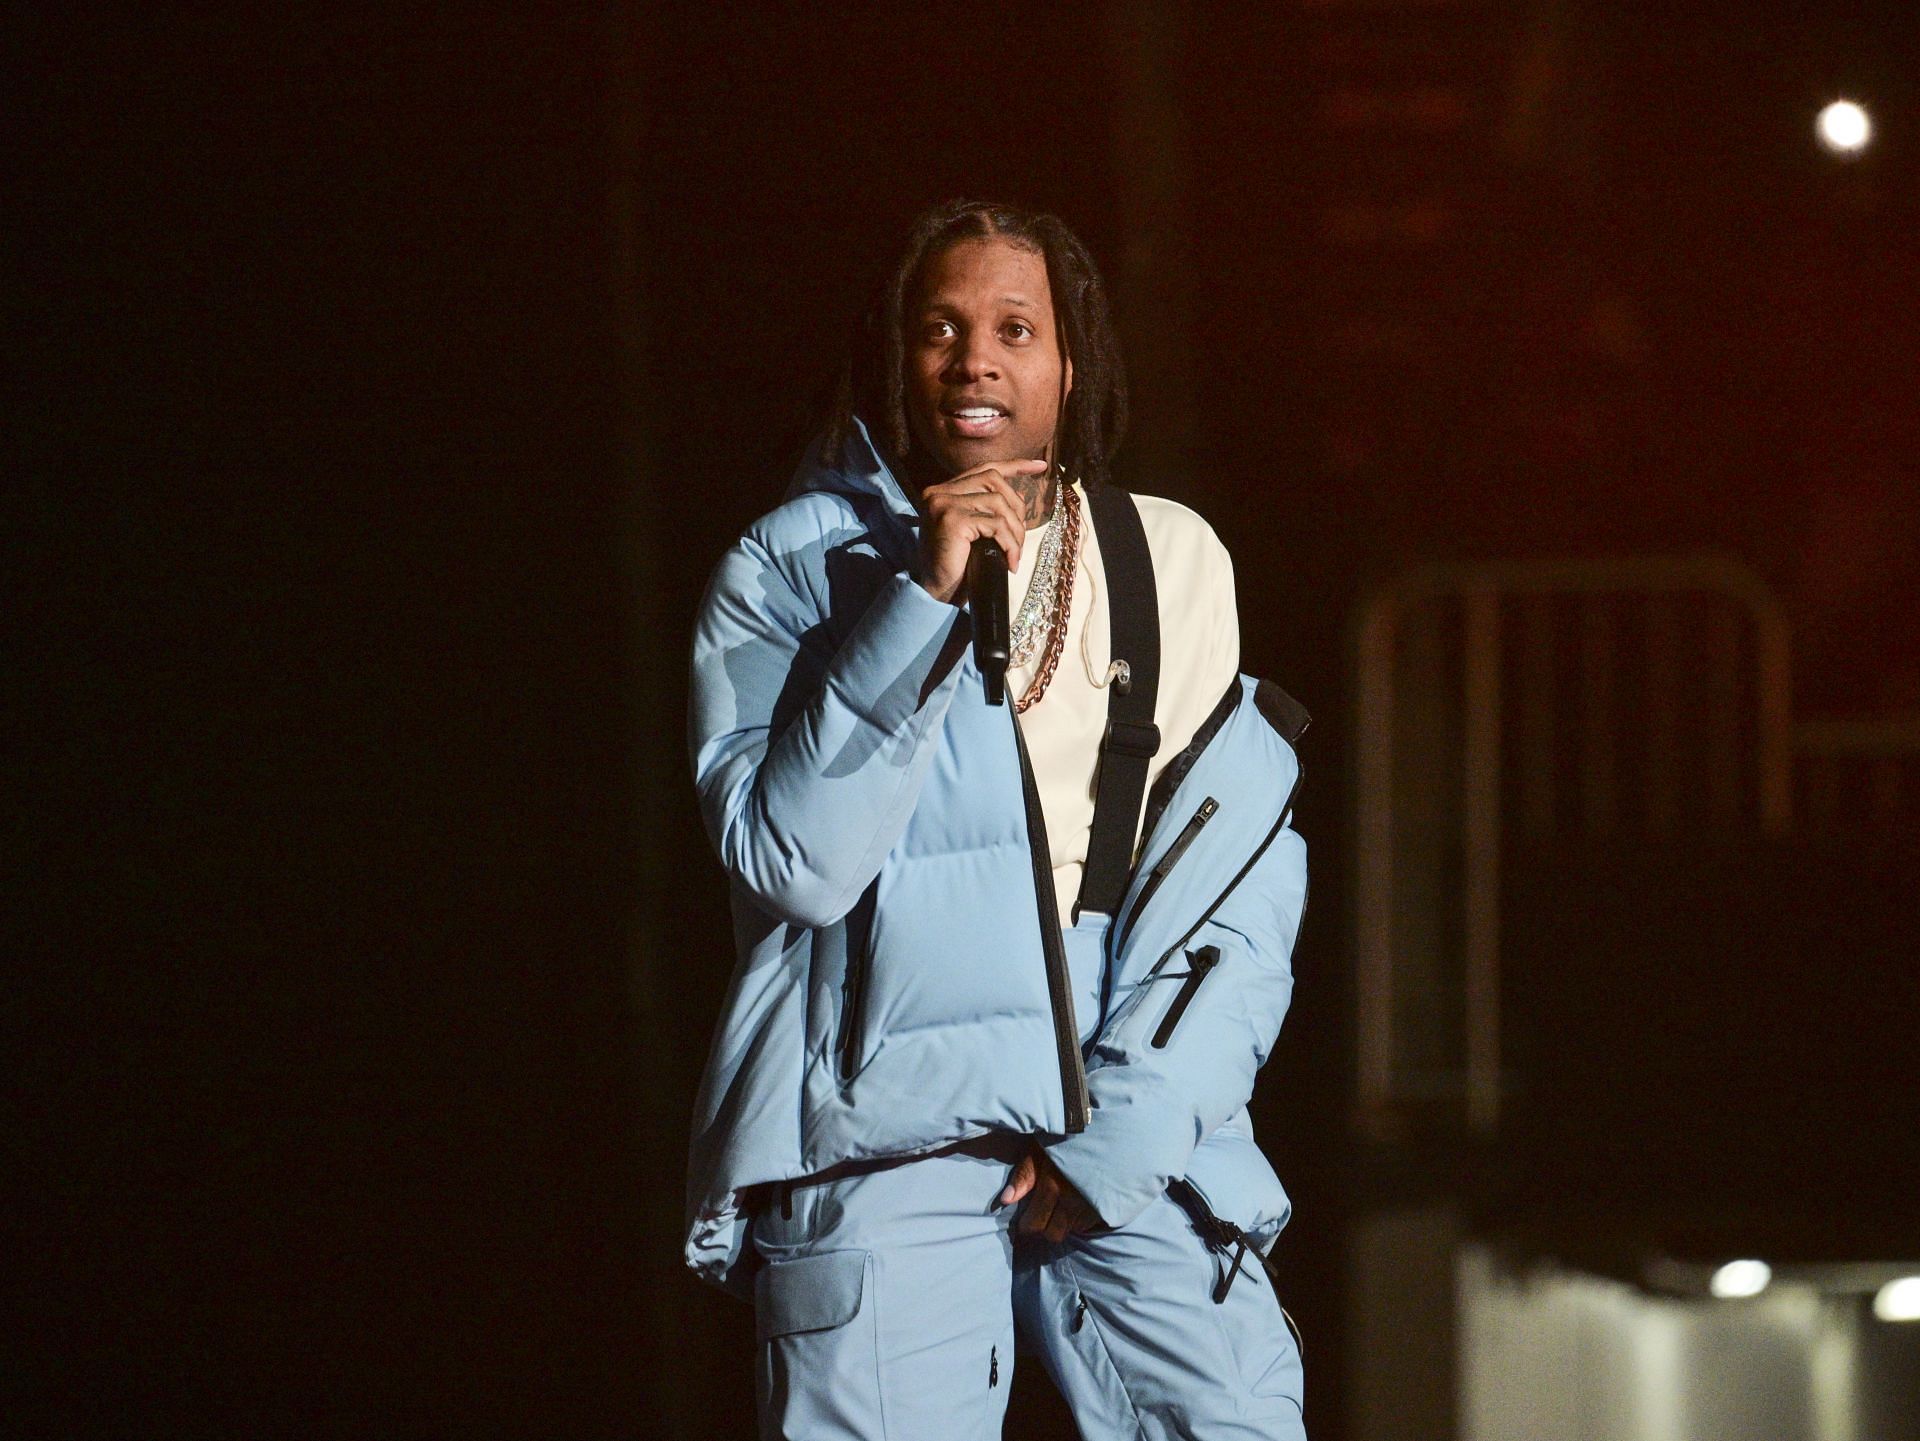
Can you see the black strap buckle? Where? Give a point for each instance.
(1129, 739)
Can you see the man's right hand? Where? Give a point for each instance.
(1054, 1207)
(975, 503)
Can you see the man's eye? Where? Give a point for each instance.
(1019, 329)
(937, 329)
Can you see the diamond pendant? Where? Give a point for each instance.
(1030, 626)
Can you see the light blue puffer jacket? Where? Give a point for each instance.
(893, 991)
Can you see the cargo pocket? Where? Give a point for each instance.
(819, 1358)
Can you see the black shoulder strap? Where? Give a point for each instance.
(1132, 739)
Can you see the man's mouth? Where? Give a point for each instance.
(976, 422)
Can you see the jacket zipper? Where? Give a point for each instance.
(1167, 862)
(850, 1026)
(1199, 963)
(1161, 793)
(854, 999)
(1066, 1034)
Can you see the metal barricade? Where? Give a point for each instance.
(1860, 775)
(1508, 702)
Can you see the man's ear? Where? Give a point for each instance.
(1066, 381)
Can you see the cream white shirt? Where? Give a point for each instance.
(1199, 656)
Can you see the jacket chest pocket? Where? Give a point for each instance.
(1200, 964)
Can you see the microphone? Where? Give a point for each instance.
(987, 595)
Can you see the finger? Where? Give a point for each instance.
(1038, 1212)
(966, 517)
(996, 479)
(1001, 469)
(979, 495)
(953, 523)
(1021, 1181)
(963, 528)
(1000, 480)
(1000, 505)
(1007, 526)
(1060, 1214)
(1068, 1217)
(1071, 1211)
(997, 476)
(1071, 1216)
(989, 489)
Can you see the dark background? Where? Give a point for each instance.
(383, 387)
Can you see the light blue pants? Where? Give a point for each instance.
(885, 1306)
(886, 1310)
(1127, 1326)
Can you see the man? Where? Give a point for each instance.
(991, 989)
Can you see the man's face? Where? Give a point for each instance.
(983, 358)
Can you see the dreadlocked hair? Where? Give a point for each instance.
(873, 385)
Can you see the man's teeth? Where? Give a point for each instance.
(979, 413)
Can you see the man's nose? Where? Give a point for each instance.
(972, 358)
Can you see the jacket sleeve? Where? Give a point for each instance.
(808, 755)
(1154, 1103)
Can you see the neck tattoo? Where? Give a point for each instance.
(1039, 493)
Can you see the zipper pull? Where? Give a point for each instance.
(1198, 964)
(1079, 1315)
(1179, 847)
(993, 1368)
(1226, 1281)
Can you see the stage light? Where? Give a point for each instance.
(1844, 128)
(1898, 1300)
(1738, 1279)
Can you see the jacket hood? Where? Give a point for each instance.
(861, 472)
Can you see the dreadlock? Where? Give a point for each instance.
(873, 386)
